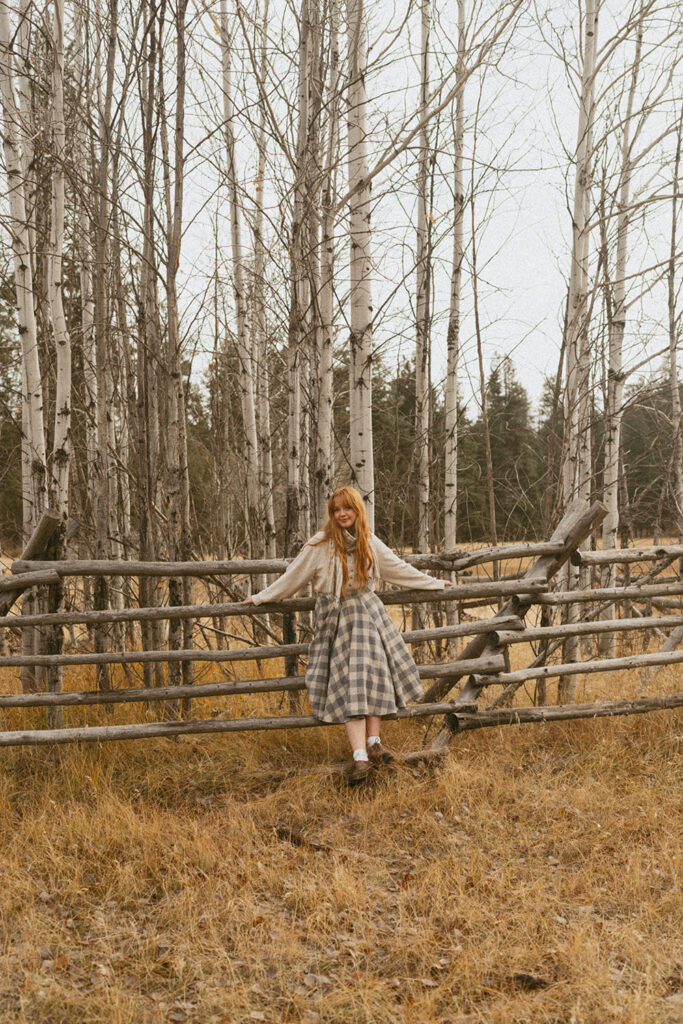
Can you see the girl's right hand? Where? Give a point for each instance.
(248, 600)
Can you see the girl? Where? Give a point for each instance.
(359, 668)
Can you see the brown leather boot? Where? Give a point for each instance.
(379, 754)
(358, 772)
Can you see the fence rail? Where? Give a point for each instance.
(484, 662)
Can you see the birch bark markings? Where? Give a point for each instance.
(576, 475)
(177, 494)
(324, 470)
(674, 324)
(260, 344)
(360, 263)
(454, 315)
(616, 328)
(244, 353)
(33, 442)
(423, 284)
(61, 447)
(577, 469)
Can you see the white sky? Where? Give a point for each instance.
(528, 115)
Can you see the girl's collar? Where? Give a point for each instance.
(349, 539)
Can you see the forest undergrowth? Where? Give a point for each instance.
(535, 877)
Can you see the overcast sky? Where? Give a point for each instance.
(527, 116)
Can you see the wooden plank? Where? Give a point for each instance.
(458, 719)
(42, 577)
(35, 546)
(564, 712)
(622, 555)
(612, 593)
(450, 561)
(578, 522)
(136, 695)
(583, 668)
(494, 662)
(529, 635)
(460, 592)
(297, 604)
(214, 726)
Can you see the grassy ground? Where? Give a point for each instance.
(534, 878)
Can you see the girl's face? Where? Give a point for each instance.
(344, 514)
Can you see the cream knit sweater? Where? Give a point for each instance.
(317, 563)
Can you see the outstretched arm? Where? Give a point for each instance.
(298, 573)
(394, 570)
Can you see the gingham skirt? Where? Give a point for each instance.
(358, 664)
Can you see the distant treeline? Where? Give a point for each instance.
(526, 448)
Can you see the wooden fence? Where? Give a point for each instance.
(645, 604)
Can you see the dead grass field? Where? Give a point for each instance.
(536, 878)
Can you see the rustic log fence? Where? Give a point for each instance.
(483, 663)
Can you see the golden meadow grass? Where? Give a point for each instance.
(535, 877)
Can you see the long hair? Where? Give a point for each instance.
(333, 531)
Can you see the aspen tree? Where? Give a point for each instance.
(314, 84)
(423, 286)
(33, 446)
(324, 468)
(148, 351)
(674, 325)
(616, 327)
(360, 262)
(260, 342)
(577, 468)
(83, 233)
(454, 313)
(422, 317)
(244, 353)
(61, 446)
(17, 148)
(177, 482)
(103, 463)
(298, 303)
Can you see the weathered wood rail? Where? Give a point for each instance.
(483, 663)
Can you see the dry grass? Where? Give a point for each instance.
(535, 878)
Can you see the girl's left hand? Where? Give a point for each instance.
(447, 583)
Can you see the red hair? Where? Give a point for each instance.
(334, 532)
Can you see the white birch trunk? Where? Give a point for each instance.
(674, 328)
(61, 448)
(244, 353)
(615, 377)
(422, 383)
(454, 319)
(260, 344)
(577, 469)
(577, 305)
(33, 446)
(454, 315)
(298, 306)
(360, 263)
(324, 470)
(177, 492)
(26, 124)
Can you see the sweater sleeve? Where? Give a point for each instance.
(393, 569)
(298, 573)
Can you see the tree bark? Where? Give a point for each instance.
(244, 353)
(360, 263)
(616, 328)
(577, 467)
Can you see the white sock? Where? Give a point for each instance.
(372, 740)
(360, 755)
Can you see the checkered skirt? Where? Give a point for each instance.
(358, 664)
